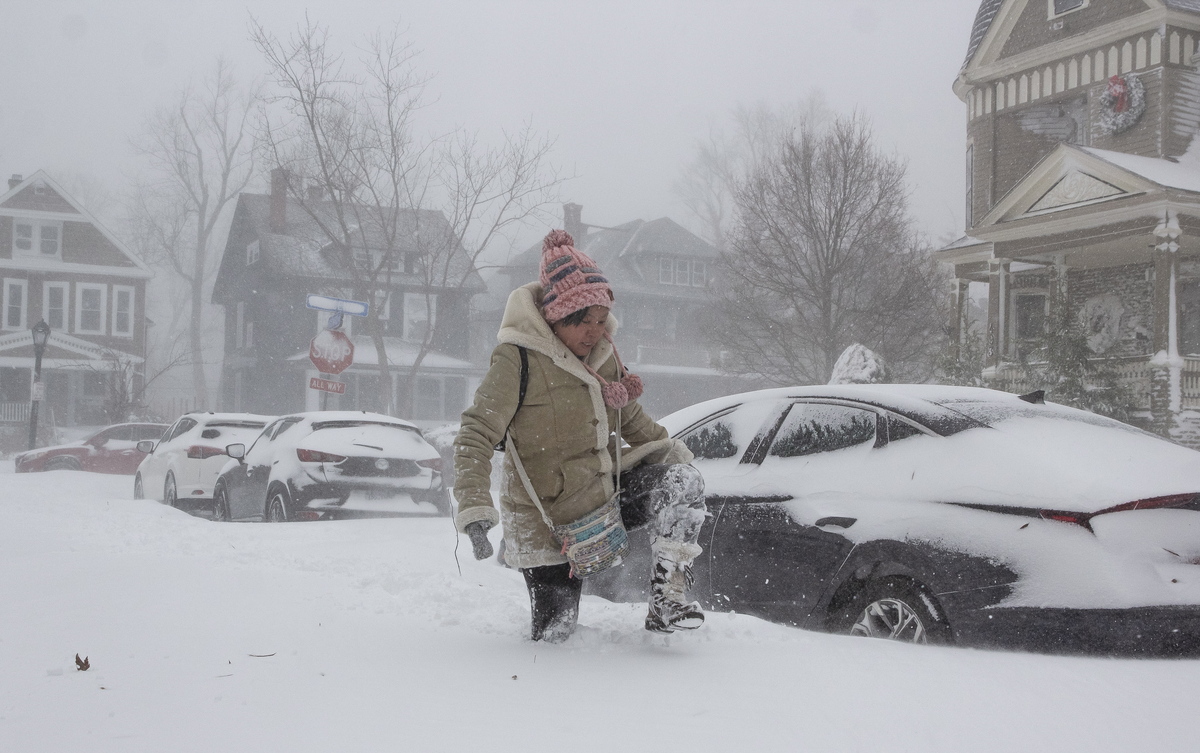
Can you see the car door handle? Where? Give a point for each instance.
(836, 521)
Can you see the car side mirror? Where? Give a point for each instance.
(146, 446)
(236, 451)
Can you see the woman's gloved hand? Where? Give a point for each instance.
(477, 531)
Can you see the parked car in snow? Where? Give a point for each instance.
(331, 464)
(942, 514)
(113, 449)
(182, 466)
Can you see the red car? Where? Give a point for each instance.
(113, 449)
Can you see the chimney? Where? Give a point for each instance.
(573, 222)
(15, 181)
(279, 199)
(316, 193)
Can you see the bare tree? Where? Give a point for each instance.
(391, 207)
(822, 254)
(199, 157)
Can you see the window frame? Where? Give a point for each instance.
(1015, 325)
(253, 252)
(36, 238)
(117, 290)
(23, 284)
(65, 287)
(80, 288)
(1052, 14)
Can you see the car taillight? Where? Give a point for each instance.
(433, 463)
(201, 452)
(313, 456)
(1085, 518)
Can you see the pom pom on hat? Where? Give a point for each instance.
(570, 279)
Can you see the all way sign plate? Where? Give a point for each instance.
(327, 385)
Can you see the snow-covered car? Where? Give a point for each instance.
(181, 467)
(113, 449)
(331, 464)
(942, 514)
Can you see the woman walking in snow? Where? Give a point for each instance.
(557, 390)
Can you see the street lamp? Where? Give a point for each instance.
(41, 333)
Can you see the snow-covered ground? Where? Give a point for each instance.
(362, 636)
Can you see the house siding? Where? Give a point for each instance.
(1035, 29)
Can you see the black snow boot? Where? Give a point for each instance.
(554, 602)
(670, 609)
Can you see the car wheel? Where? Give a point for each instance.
(170, 494)
(138, 491)
(220, 505)
(900, 610)
(278, 506)
(63, 464)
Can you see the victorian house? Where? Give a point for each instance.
(277, 254)
(58, 264)
(1083, 189)
(661, 274)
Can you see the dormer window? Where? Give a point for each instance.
(37, 239)
(685, 272)
(1058, 8)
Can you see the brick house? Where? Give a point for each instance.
(1083, 189)
(275, 255)
(661, 274)
(60, 265)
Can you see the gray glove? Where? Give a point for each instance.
(477, 531)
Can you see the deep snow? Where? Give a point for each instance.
(362, 636)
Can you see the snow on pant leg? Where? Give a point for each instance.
(553, 601)
(670, 496)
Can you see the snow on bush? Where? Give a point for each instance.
(858, 364)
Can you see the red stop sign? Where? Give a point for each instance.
(331, 351)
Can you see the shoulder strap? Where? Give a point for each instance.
(520, 395)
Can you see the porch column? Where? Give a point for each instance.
(959, 290)
(1059, 291)
(1166, 365)
(997, 311)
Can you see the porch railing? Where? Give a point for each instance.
(13, 413)
(1135, 373)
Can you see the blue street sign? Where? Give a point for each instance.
(325, 303)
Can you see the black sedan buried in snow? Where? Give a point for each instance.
(938, 514)
(331, 464)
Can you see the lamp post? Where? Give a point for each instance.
(41, 333)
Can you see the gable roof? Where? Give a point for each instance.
(618, 251)
(18, 201)
(305, 251)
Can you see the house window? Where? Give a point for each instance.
(89, 308)
(438, 398)
(682, 272)
(970, 184)
(122, 311)
(16, 301)
(37, 239)
(239, 325)
(1056, 8)
(1029, 311)
(54, 304)
(420, 315)
(252, 250)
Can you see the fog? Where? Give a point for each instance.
(626, 88)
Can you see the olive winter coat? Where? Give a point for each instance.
(562, 432)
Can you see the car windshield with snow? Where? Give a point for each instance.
(329, 464)
(182, 466)
(944, 514)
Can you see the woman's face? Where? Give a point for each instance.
(581, 338)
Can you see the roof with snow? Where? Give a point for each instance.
(1168, 173)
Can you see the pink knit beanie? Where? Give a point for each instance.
(570, 279)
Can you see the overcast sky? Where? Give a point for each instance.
(627, 88)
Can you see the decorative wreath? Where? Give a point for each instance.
(1122, 104)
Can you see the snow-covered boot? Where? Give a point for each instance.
(554, 602)
(672, 577)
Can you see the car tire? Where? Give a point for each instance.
(897, 609)
(138, 491)
(278, 506)
(63, 464)
(220, 505)
(170, 492)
